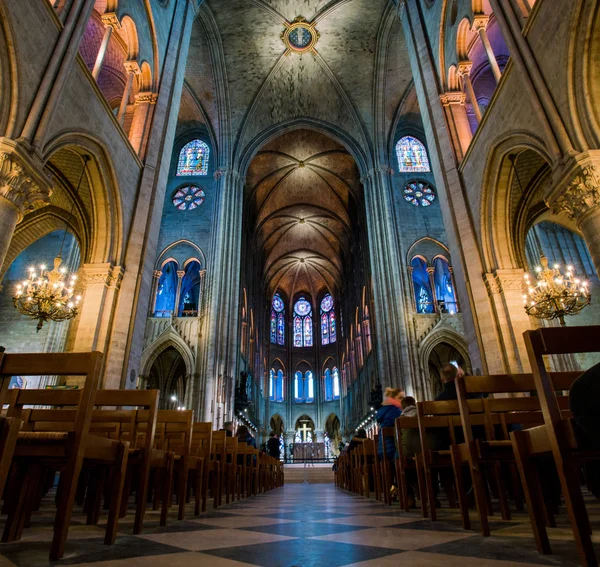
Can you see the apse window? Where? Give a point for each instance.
(419, 193)
(188, 198)
(277, 321)
(412, 156)
(303, 333)
(193, 159)
(328, 330)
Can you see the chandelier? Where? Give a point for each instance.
(49, 295)
(555, 295)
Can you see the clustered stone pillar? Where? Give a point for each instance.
(20, 193)
(480, 23)
(464, 70)
(111, 22)
(152, 305)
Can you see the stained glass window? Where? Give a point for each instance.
(188, 198)
(328, 332)
(419, 194)
(193, 159)
(298, 387)
(303, 332)
(444, 289)
(276, 385)
(332, 384)
(422, 286)
(277, 321)
(412, 155)
(309, 387)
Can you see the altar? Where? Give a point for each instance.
(308, 451)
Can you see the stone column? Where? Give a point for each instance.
(132, 69)
(110, 22)
(464, 70)
(458, 121)
(580, 201)
(480, 23)
(220, 341)
(180, 275)
(152, 306)
(388, 281)
(142, 118)
(22, 190)
(430, 273)
(127, 337)
(505, 288)
(98, 285)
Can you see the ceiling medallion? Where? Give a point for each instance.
(300, 36)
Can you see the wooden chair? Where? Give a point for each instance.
(355, 467)
(404, 463)
(65, 449)
(436, 420)
(385, 464)
(144, 457)
(556, 435)
(174, 430)
(218, 468)
(201, 448)
(232, 468)
(369, 468)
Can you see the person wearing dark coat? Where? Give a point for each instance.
(273, 446)
(243, 435)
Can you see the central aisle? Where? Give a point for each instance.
(299, 525)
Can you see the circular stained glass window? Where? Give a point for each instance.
(278, 304)
(419, 194)
(300, 37)
(188, 198)
(302, 307)
(327, 303)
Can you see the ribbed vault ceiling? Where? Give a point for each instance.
(301, 187)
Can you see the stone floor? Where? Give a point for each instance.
(296, 526)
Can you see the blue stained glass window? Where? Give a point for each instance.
(328, 334)
(419, 194)
(188, 198)
(422, 286)
(273, 328)
(336, 383)
(332, 384)
(412, 155)
(309, 387)
(444, 290)
(277, 321)
(193, 159)
(303, 331)
(298, 387)
(276, 385)
(166, 290)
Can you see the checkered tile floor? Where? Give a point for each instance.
(296, 526)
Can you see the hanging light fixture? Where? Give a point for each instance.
(555, 295)
(49, 295)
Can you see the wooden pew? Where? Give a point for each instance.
(404, 463)
(63, 449)
(369, 468)
(385, 464)
(556, 435)
(201, 448)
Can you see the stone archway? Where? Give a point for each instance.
(168, 374)
(443, 353)
(305, 430)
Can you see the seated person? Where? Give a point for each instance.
(386, 417)
(243, 435)
(360, 434)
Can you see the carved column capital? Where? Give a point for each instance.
(453, 97)
(480, 21)
(95, 274)
(132, 67)
(180, 274)
(157, 274)
(146, 97)
(502, 281)
(20, 181)
(581, 195)
(464, 68)
(110, 19)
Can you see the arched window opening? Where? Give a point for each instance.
(444, 287)
(277, 321)
(276, 385)
(304, 387)
(166, 291)
(193, 159)
(412, 156)
(328, 329)
(190, 291)
(422, 286)
(332, 384)
(303, 331)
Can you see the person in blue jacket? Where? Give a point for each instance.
(386, 417)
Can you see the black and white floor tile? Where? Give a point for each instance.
(298, 525)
